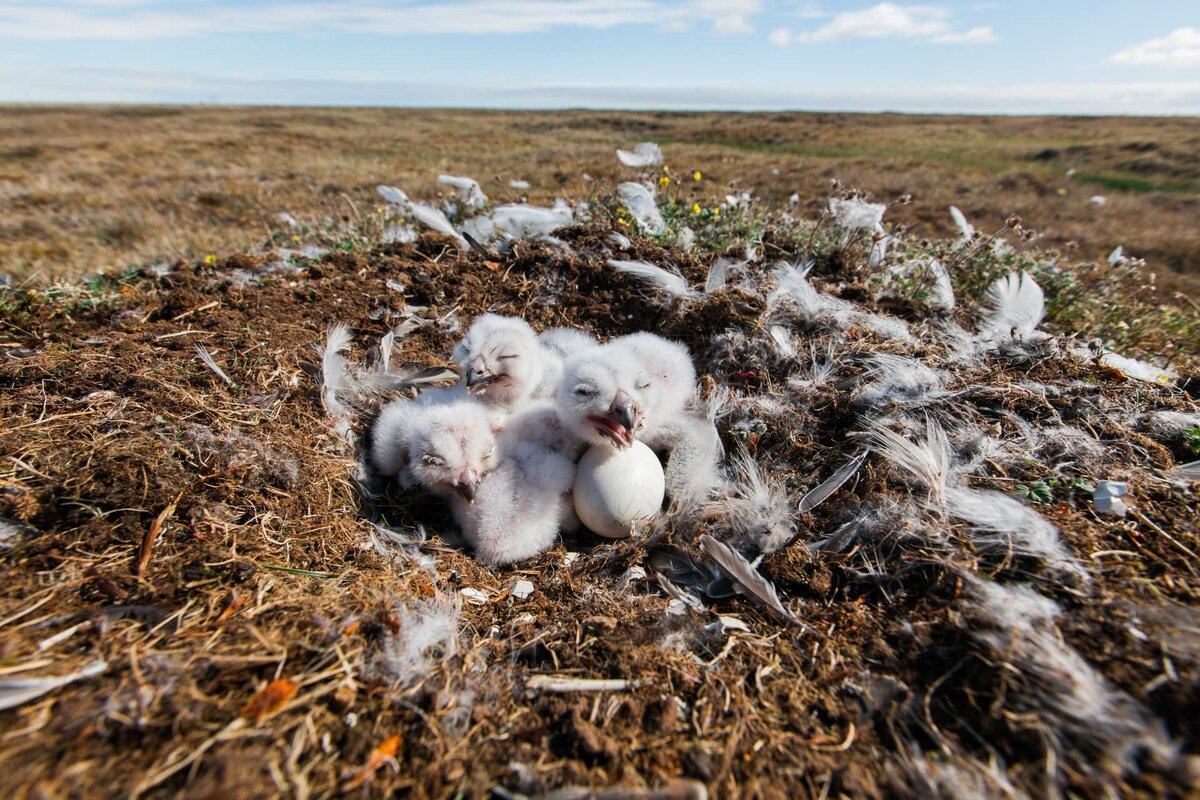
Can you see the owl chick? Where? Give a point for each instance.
(503, 365)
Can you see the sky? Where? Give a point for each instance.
(1018, 56)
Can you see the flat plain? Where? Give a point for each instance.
(90, 188)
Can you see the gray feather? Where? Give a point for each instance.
(821, 492)
(207, 358)
(746, 576)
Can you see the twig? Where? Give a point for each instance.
(152, 534)
(295, 571)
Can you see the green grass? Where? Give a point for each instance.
(1128, 183)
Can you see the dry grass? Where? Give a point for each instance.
(207, 538)
(84, 189)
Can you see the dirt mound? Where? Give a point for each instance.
(208, 541)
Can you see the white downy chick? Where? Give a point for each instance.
(639, 386)
(521, 505)
(503, 365)
(666, 379)
(566, 342)
(452, 447)
(669, 422)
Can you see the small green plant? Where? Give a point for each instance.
(1191, 440)
(1038, 492)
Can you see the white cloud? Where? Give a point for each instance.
(728, 16)
(780, 37)
(981, 35)
(1179, 48)
(158, 19)
(731, 24)
(891, 21)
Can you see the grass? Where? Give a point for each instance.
(93, 188)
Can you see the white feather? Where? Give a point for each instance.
(1017, 303)
(782, 338)
(670, 282)
(16, 691)
(942, 291)
(718, 275)
(855, 213)
(426, 636)
(897, 380)
(393, 195)
(1057, 684)
(211, 363)
(334, 378)
(433, 218)
(644, 154)
(640, 203)
(966, 231)
(1004, 525)
(523, 221)
(1140, 370)
(468, 191)
(758, 509)
(927, 462)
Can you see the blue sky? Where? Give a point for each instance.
(1104, 56)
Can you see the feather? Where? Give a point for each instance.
(682, 595)
(746, 576)
(1139, 370)
(426, 635)
(1017, 303)
(640, 203)
(468, 191)
(966, 231)
(207, 358)
(896, 380)
(855, 213)
(644, 154)
(718, 274)
(758, 509)
(927, 462)
(1004, 525)
(393, 195)
(1189, 471)
(619, 241)
(822, 491)
(521, 221)
(16, 691)
(670, 282)
(432, 218)
(334, 380)
(783, 341)
(399, 380)
(795, 296)
(1117, 257)
(1055, 683)
(941, 295)
(386, 343)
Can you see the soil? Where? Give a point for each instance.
(121, 449)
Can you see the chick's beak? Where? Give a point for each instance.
(477, 381)
(466, 484)
(625, 410)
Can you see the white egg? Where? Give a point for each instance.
(613, 488)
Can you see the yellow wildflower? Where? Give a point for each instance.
(210, 259)
(664, 181)
(716, 213)
(696, 175)
(696, 208)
